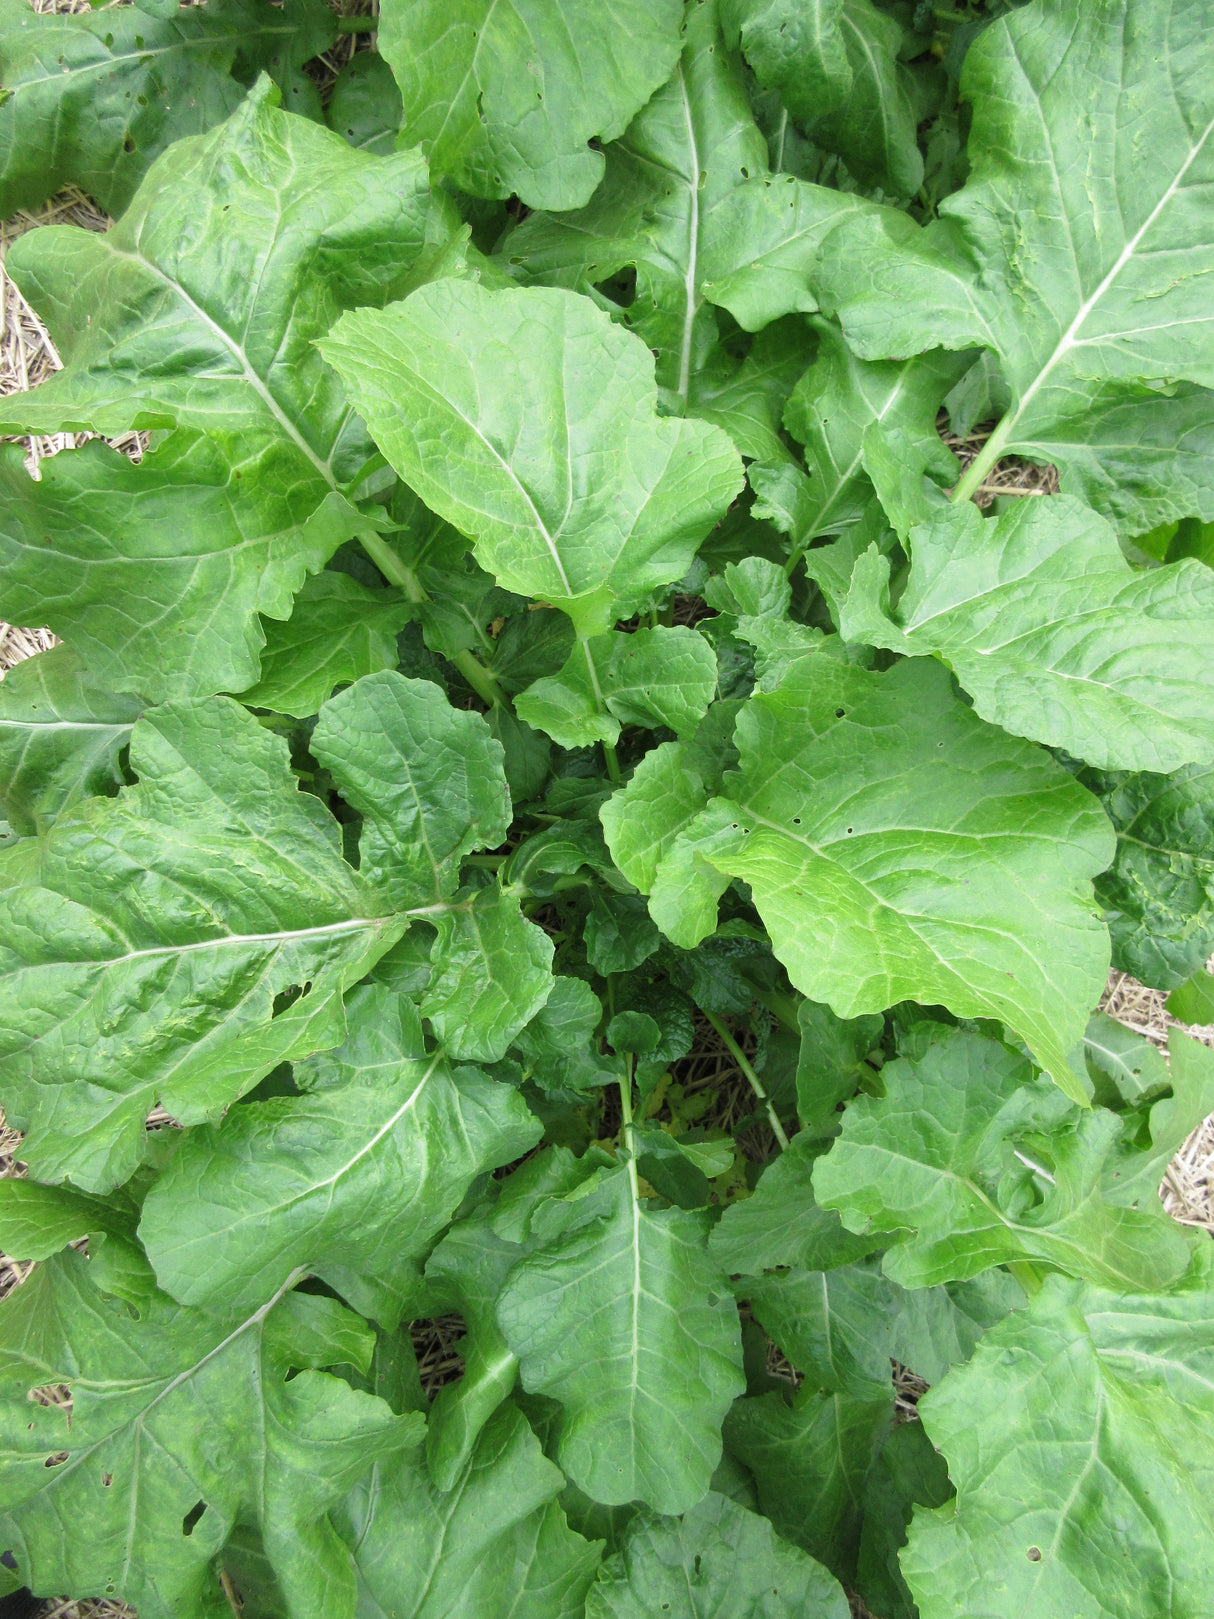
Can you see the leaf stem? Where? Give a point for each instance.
(756, 1084)
(982, 463)
(626, 1126)
(1027, 1275)
(400, 574)
(613, 764)
(782, 1007)
(229, 1591)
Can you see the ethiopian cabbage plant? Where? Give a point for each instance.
(554, 807)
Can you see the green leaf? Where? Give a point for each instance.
(1052, 632)
(660, 676)
(505, 102)
(833, 405)
(362, 1174)
(947, 862)
(91, 100)
(1158, 894)
(747, 397)
(834, 1326)
(492, 974)
(37, 1221)
(202, 305)
(1085, 282)
(592, 517)
(495, 1544)
(625, 1321)
(618, 934)
(810, 1460)
(338, 632)
(718, 1561)
(1123, 1066)
(984, 1164)
(426, 777)
(908, 1471)
(465, 1273)
(691, 146)
(171, 1411)
(365, 106)
(831, 1064)
(687, 202)
(835, 65)
(1083, 1505)
(558, 1048)
(1132, 1179)
(782, 1224)
(668, 789)
(155, 574)
(842, 1327)
(1193, 1002)
(61, 738)
(146, 938)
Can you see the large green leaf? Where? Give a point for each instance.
(201, 308)
(687, 203)
(810, 1458)
(505, 101)
(1158, 894)
(985, 1164)
(427, 778)
(61, 734)
(553, 458)
(686, 151)
(493, 1545)
(155, 574)
(90, 100)
(718, 1561)
(338, 632)
(1052, 633)
(174, 1411)
(1085, 279)
(1098, 1504)
(834, 65)
(900, 848)
(362, 1173)
(146, 938)
(626, 1321)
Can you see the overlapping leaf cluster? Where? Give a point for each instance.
(546, 631)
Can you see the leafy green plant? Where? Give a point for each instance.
(544, 641)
